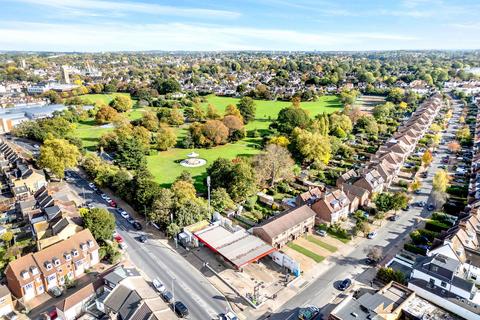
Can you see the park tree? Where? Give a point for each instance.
(273, 165)
(349, 96)
(321, 124)
(279, 141)
(106, 114)
(176, 117)
(454, 146)
(58, 155)
(166, 138)
(236, 130)
(340, 125)
(363, 227)
(164, 86)
(121, 103)
(354, 113)
(209, 134)
(150, 121)
(162, 207)
(221, 200)
(190, 213)
(236, 176)
(247, 108)
(232, 110)
(290, 118)
(383, 111)
(184, 192)
(313, 147)
(427, 158)
(100, 222)
(440, 181)
(131, 154)
(142, 135)
(212, 112)
(144, 189)
(374, 252)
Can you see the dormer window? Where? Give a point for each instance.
(34, 270)
(67, 256)
(90, 243)
(25, 275)
(83, 246)
(75, 252)
(48, 265)
(56, 262)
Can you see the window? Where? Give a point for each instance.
(40, 289)
(28, 286)
(432, 282)
(34, 270)
(56, 262)
(90, 243)
(75, 252)
(443, 284)
(25, 275)
(434, 268)
(51, 278)
(67, 256)
(48, 265)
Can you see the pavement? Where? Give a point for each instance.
(320, 289)
(157, 259)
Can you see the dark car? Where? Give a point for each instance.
(370, 261)
(430, 207)
(345, 284)
(167, 296)
(180, 309)
(143, 238)
(137, 225)
(393, 218)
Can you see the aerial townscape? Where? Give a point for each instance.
(240, 160)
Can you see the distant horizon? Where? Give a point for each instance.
(237, 51)
(250, 25)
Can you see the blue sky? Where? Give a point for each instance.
(112, 25)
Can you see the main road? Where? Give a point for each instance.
(390, 236)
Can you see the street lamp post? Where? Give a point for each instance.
(208, 190)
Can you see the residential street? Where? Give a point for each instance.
(155, 259)
(391, 237)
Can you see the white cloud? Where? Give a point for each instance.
(466, 25)
(181, 36)
(83, 6)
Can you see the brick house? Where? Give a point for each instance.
(332, 207)
(36, 273)
(286, 226)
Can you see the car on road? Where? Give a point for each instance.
(92, 186)
(55, 291)
(90, 205)
(180, 309)
(158, 285)
(308, 313)
(143, 238)
(321, 233)
(125, 215)
(112, 203)
(430, 207)
(104, 196)
(123, 245)
(424, 175)
(421, 204)
(345, 284)
(130, 220)
(418, 191)
(167, 296)
(393, 217)
(36, 146)
(137, 225)
(372, 235)
(118, 238)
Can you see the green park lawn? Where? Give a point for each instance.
(101, 97)
(165, 165)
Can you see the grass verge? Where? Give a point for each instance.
(322, 244)
(312, 255)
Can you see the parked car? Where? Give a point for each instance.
(112, 203)
(421, 204)
(345, 284)
(143, 238)
(393, 217)
(130, 220)
(372, 235)
(137, 225)
(308, 313)
(104, 196)
(92, 186)
(180, 309)
(158, 285)
(167, 296)
(90, 205)
(430, 207)
(118, 238)
(321, 233)
(123, 245)
(56, 292)
(370, 261)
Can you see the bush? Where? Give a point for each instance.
(388, 274)
(412, 248)
(458, 191)
(437, 226)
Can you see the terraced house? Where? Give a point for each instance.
(37, 273)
